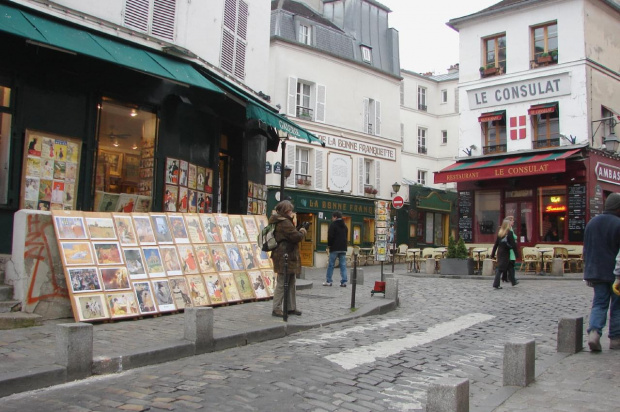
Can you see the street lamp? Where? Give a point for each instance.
(395, 188)
(286, 170)
(611, 142)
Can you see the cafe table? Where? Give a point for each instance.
(479, 251)
(542, 252)
(414, 265)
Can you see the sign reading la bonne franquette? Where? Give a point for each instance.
(521, 91)
(353, 146)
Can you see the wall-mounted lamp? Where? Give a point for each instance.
(611, 143)
(612, 124)
(395, 189)
(287, 171)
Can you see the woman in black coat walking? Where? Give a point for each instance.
(504, 243)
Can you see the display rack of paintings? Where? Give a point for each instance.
(188, 187)
(50, 171)
(382, 208)
(120, 265)
(145, 171)
(257, 198)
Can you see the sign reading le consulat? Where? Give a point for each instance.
(530, 89)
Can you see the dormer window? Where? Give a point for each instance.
(366, 54)
(305, 34)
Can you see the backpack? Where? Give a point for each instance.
(267, 238)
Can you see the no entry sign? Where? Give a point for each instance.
(398, 202)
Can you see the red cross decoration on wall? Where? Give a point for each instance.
(517, 131)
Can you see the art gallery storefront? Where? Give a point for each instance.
(317, 208)
(431, 217)
(551, 193)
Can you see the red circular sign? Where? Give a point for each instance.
(398, 202)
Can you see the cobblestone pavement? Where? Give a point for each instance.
(444, 327)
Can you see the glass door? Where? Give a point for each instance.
(524, 219)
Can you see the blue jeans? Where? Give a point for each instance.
(343, 266)
(603, 295)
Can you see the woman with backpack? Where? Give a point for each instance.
(504, 243)
(288, 238)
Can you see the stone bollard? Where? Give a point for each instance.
(429, 266)
(74, 349)
(199, 328)
(519, 363)
(391, 288)
(557, 267)
(570, 335)
(448, 395)
(487, 267)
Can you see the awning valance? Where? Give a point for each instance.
(489, 117)
(503, 167)
(49, 32)
(542, 109)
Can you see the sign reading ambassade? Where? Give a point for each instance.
(363, 148)
(521, 91)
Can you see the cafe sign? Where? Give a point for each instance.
(607, 173)
(358, 147)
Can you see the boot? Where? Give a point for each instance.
(614, 343)
(594, 341)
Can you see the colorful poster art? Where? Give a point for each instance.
(135, 263)
(180, 292)
(115, 278)
(154, 264)
(208, 180)
(183, 173)
(200, 178)
(126, 203)
(183, 203)
(47, 148)
(193, 201)
(188, 259)
(205, 263)
(247, 255)
(224, 225)
(144, 296)
(60, 150)
(236, 223)
(171, 196)
(269, 279)
(77, 253)
(211, 230)
(34, 145)
(194, 229)
(214, 289)
(47, 169)
(220, 258)
(197, 290)
(108, 253)
(163, 295)
(33, 166)
(243, 285)
(162, 230)
(234, 257)
(170, 257)
(191, 176)
(122, 305)
(59, 170)
(84, 279)
(145, 233)
(91, 307)
(32, 189)
(70, 227)
(101, 228)
(124, 228)
(172, 171)
(109, 201)
(258, 284)
(177, 228)
(230, 287)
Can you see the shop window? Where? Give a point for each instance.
(544, 45)
(5, 142)
(552, 214)
(487, 206)
(494, 133)
(494, 55)
(434, 232)
(545, 125)
(125, 158)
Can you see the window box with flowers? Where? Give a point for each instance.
(370, 191)
(304, 181)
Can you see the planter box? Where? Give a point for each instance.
(490, 71)
(544, 59)
(457, 267)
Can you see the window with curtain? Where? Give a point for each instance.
(545, 43)
(495, 53)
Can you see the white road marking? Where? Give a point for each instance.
(355, 357)
(342, 333)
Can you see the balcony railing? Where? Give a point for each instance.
(304, 113)
(370, 128)
(422, 107)
(303, 180)
(497, 148)
(543, 143)
(422, 150)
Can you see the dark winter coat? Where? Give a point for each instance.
(337, 236)
(288, 238)
(503, 251)
(601, 242)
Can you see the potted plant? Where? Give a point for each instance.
(544, 58)
(457, 260)
(490, 69)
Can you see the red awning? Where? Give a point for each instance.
(503, 167)
(489, 117)
(542, 109)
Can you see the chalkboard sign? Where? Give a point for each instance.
(576, 212)
(466, 216)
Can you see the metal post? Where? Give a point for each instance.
(382, 278)
(395, 242)
(354, 280)
(282, 170)
(285, 303)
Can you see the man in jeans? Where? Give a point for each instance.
(600, 247)
(337, 236)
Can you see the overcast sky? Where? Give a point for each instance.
(426, 43)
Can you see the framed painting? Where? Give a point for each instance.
(224, 225)
(122, 305)
(202, 202)
(143, 204)
(251, 229)
(144, 296)
(171, 198)
(183, 173)
(192, 205)
(115, 278)
(230, 287)
(212, 232)
(178, 229)
(100, 226)
(197, 290)
(162, 230)
(144, 230)
(154, 264)
(90, 308)
(126, 202)
(247, 255)
(163, 295)
(180, 292)
(214, 289)
(172, 171)
(269, 279)
(84, 279)
(234, 256)
(263, 259)
(170, 257)
(135, 263)
(113, 161)
(188, 259)
(108, 202)
(238, 229)
(108, 253)
(258, 284)
(124, 229)
(69, 225)
(243, 285)
(208, 180)
(76, 253)
(194, 229)
(191, 176)
(200, 178)
(220, 258)
(205, 263)
(183, 202)
(261, 221)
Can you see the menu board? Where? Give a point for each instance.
(466, 213)
(382, 222)
(576, 212)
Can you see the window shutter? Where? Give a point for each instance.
(378, 176)
(228, 51)
(360, 176)
(377, 118)
(164, 19)
(230, 14)
(320, 103)
(137, 14)
(292, 97)
(290, 160)
(366, 103)
(242, 20)
(240, 59)
(318, 169)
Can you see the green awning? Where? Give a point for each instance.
(254, 111)
(50, 32)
